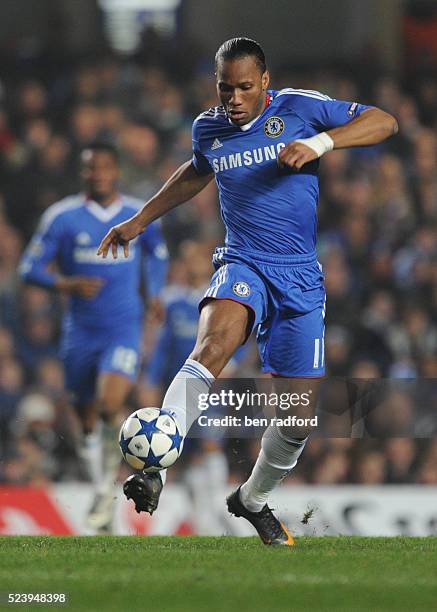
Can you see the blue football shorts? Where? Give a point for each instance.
(87, 352)
(287, 298)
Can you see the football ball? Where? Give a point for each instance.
(150, 439)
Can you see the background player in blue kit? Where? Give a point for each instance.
(102, 325)
(262, 146)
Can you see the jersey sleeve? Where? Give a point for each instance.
(199, 161)
(43, 248)
(156, 260)
(321, 112)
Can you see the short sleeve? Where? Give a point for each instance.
(322, 112)
(199, 161)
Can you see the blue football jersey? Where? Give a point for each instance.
(266, 208)
(69, 234)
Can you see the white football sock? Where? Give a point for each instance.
(91, 452)
(182, 395)
(111, 458)
(276, 459)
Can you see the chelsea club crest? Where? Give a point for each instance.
(273, 127)
(241, 289)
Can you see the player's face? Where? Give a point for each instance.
(241, 88)
(100, 173)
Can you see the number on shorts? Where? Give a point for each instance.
(125, 360)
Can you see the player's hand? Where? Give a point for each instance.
(295, 155)
(86, 287)
(120, 235)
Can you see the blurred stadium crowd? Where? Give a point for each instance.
(377, 244)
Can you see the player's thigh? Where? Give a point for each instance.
(234, 303)
(222, 329)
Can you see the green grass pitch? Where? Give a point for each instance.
(206, 574)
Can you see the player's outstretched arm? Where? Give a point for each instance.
(183, 185)
(371, 127)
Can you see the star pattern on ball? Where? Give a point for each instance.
(150, 442)
(124, 444)
(148, 428)
(176, 440)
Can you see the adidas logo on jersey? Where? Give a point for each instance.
(216, 144)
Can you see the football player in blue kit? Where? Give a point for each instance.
(102, 323)
(262, 146)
